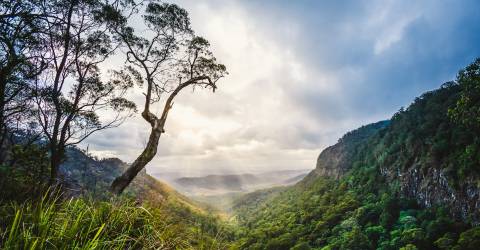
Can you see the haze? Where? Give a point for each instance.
(302, 73)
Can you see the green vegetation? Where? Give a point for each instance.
(375, 204)
(150, 215)
(467, 110)
(117, 224)
(409, 183)
(378, 202)
(330, 214)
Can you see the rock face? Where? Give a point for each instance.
(430, 187)
(422, 153)
(335, 160)
(424, 181)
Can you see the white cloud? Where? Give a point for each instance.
(295, 86)
(249, 124)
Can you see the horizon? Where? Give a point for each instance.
(240, 124)
(301, 75)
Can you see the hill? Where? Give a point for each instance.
(227, 182)
(86, 175)
(149, 215)
(214, 185)
(408, 183)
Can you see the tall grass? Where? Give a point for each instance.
(51, 223)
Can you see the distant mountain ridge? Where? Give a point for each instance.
(215, 184)
(230, 182)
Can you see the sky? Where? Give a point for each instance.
(301, 74)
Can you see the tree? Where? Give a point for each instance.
(301, 246)
(469, 240)
(20, 62)
(70, 93)
(409, 247)
(467, 109)
(168, 62)
(355, 239)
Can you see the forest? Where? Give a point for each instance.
(410, 182)
(373, 205)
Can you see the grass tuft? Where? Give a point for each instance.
(81, 223)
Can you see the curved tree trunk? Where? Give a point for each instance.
(121, 182)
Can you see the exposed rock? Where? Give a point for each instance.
(431, 187)
(335, 160)
(425, 182)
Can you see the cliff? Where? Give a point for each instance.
(336, 160)
(421, 152)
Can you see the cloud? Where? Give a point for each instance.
(302, 73)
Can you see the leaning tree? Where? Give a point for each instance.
(168, 58)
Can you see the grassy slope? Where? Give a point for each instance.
(115, 224)
(150, 215)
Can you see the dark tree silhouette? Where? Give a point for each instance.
(20, 62)
(70, 92)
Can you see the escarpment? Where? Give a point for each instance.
(421, 152)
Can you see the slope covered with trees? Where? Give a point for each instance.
(411, 183)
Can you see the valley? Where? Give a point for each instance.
(220, 191)
(239, 125)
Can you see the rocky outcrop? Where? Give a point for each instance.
(430, 187)
(335, 160)
(425, 182)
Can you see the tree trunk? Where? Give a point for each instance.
(3, 125)
(56, 155)
(121, 182)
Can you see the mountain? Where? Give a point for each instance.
(148, 215)
(421, 150)
(412, 182)
(229, 182)
(224, 184)
(335, 160)
(294, 180)
(84, 174)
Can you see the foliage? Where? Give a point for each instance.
(365, 208)
(467, 110)
(24, 173)
(117, 224)
(335, 215)
(149, 215)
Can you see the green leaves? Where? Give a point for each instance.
(165, 16)
(467, 109)
(373, 205)
(123, 104)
